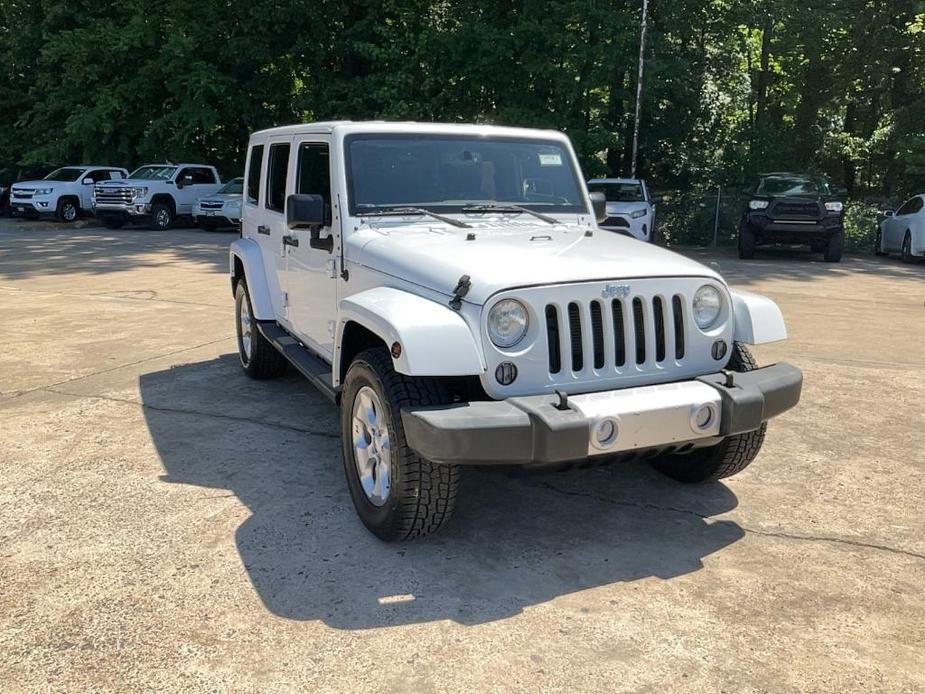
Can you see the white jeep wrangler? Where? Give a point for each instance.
(156, 193)
(449, 288)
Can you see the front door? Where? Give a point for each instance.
(311, 272)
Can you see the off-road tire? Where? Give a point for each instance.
(422, 494)
(113, 222)
(834, 248)
(157, 217)
(746, 242)
(906, 254)
(878, 244)
(264, 361)
(67, 210)
(732, 455)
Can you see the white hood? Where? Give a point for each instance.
(509, 254)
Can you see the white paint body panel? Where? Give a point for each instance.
(758, 320)
(248, 252)
(434, 339)
(48, 202)
(650, 415)
(894, 228)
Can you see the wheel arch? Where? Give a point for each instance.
(165, 198)
(432, 339)
(246, 262)
(758, 320)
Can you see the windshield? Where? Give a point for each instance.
(799, 186)
(619, 192)
(154, 173)
(449, 172)
(66, 174)
(234, 187)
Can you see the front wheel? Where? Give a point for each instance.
(66, 211)
(732, 455)
(907, 248)
(397, 494)
(259, 358)
(834, 248)
(161, 216)
(746, 242)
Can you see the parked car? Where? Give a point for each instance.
(449, 287)
(793, 208)
(903, 231)
(630, 208)
(154, 193)
(10, 176)
(222, 209)
(64, 193)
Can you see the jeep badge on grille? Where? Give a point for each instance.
(612, 290)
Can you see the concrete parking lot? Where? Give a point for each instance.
(165, 523)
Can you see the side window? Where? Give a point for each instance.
(277, 169)
(253, 174)
(907, 208)
(203, 175)
(917, 204)
(314, 170)
(184, 173)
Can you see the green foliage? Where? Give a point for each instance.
(861, 222)
(731, 88)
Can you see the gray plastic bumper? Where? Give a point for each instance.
(533, 430)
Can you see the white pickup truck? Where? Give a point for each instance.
(64, 193)
(156, 193)
(449, 288)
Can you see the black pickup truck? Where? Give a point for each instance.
(793, 208)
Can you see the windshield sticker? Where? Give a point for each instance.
(550, 159)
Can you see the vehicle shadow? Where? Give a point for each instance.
(515, 541)
(29, 248)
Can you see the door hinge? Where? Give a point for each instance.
(332, 326)
(285, 299)
(332, 268)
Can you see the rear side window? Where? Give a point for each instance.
(277, 168)
(314, 170)
(198, 175)
(253, 174)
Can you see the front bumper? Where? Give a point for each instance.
(640, 228)
(33, 205)
(794, 230)
(534, 430)
(135, 209)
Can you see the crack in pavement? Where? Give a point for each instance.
(200, 413)
(752, 531)
(16, 394)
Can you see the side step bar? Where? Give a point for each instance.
(314, 369)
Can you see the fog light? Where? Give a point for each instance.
(718, 350)
(505, 373)
(703, 417)
(605, 433)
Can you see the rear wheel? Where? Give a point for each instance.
(834, 248)
(732, 455)
(66, 210)
(397, 494)
(259, 358)
(746, 242)
(907, 248)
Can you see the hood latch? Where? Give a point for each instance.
(462, 288)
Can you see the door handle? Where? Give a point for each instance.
(263, 230)
(290, 240)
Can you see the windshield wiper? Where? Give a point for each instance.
(400, 211)
(509, 208)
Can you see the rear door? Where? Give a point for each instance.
(272, 226)
(311, 272)
(255, 223)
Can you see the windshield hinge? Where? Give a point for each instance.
(462, 288)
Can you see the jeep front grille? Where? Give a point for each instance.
(113, 196)
(606, 332)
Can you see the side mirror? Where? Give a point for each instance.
(305, 211)
(889, 213)
(87, 181)
(599, 205)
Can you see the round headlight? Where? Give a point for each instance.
(507, 322)
(708, 303)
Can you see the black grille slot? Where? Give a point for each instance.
(574, 326)
(552, 338)
(640, 330)
(677, 306)
(658, 312)
(619, 341)
(597, 334)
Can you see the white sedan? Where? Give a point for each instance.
(903, 231)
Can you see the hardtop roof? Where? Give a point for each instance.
(347, 127)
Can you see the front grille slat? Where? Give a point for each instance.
(621, 336)
(110, 196)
